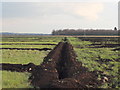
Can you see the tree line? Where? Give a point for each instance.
(85, 32)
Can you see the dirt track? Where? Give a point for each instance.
(60, 69)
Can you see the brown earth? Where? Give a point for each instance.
(116, 49)
(42, 49)
(59, 69)
(25, 44)
(104, 46)
(17, 67)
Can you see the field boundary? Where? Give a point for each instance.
(42, 49)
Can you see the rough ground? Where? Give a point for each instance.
(17, 67)
(59, 69)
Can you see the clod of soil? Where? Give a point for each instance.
(17, 67)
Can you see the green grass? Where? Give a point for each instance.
(27, 46)
(91, 58)
(77, 43)
(0, 79)
(15, 80)
(23, 56)
(43, 42)
(31, 39)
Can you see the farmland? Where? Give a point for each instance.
(23, 57)
(104, 60)
(98, 54)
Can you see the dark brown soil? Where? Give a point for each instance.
(42, 49)
(59, 69)
(117, 49)
(104, 46)
(17, 67)
(25, 44)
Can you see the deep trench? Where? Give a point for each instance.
(61, 65)
(57, 70)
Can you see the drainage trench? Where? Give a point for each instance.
(59, 69)
(62, 62)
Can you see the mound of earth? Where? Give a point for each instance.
(60, 69)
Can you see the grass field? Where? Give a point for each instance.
(27, 46)
(101, 59)
(17, 79)
(23, 56)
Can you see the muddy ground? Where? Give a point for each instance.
(59, 69)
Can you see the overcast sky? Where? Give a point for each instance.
(43, 17)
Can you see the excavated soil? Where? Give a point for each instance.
(17, 67)
(42, 49)
(104, 46)
(25, 44)
(59, 69)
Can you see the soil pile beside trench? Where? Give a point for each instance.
(60, 69)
